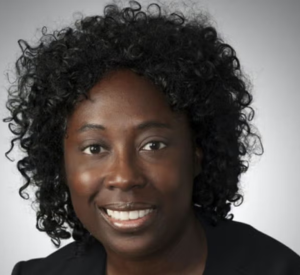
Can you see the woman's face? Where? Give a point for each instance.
(130, 166)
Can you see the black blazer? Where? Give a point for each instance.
(233, 249)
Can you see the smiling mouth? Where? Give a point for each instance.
(128, 215)
(129, 220)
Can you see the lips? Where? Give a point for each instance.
(128, 216)
(127, 206)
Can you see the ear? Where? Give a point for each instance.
(198, 156)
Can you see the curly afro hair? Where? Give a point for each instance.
(185, 57)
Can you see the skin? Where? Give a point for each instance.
(118, 163)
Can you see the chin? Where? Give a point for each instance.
(132, 246)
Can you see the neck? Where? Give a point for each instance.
(186, 255)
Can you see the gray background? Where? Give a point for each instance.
(265, 35)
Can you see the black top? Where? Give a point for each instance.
(234, 248)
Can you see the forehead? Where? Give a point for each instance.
(128, 88)
(123, 98)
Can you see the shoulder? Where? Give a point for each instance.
(65, 261)
(250, 251)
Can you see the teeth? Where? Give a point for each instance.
(142, 213)
(124, 216)
(116, 214)
(133, 215)
(109, 212)
(128, 215)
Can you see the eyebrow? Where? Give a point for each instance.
(143, 126)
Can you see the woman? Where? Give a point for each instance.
(136, 127)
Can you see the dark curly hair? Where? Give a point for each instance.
(185, 57)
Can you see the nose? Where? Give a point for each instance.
(125, 174)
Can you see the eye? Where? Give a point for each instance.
(92, 149)
(154, 145)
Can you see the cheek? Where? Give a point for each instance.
(80, 176)
(82, 183)
(174, 179)
(83, 186)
